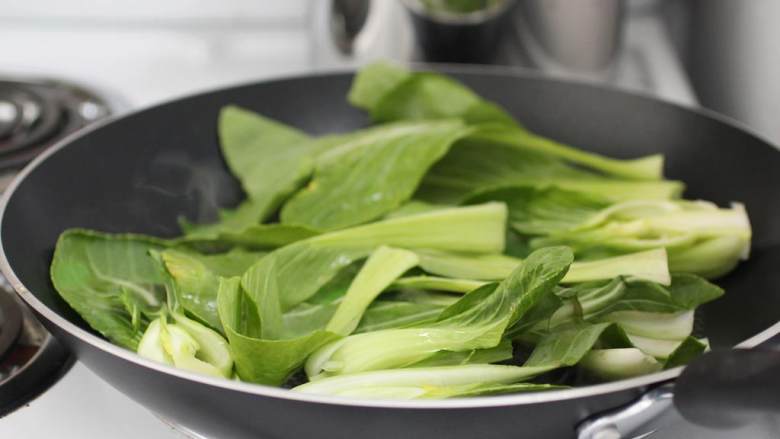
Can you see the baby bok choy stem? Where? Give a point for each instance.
(476, 321)
(425, 382)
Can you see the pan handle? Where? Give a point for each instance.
(623, 422)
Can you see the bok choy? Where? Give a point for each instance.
(445, 251)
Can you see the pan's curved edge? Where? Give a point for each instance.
(275, 392)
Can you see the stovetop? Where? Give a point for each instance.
(173, 55)
(35, 112)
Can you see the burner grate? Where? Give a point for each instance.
(35, 113)
(10, 323)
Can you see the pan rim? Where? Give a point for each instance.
(638, 383)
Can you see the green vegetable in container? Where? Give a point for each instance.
(445, 251)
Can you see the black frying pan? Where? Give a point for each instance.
(140, 172)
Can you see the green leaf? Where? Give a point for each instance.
(689, 349)
(373, 81)
(686, 292)
(524, 287)
(501, 352)
(657, 348)
(197, 278)
(258, 236)
(700, 237)
(476, 321)
(474, 166)
(111, 281)
(380, 270)
(567, 346)
(422, 382)
(293, 274)
(438, 283)
(424, 96)
(403, 310)
(615, 364)
(663, 326)
(413, 207)
(543, 210)
(500, 389)
(480, 229)
(631, 303)
(381, 314)
(467, 265)
(648, 265)
(588, 301)
(269, 158)
(256, 359)
(389, 94)
(645, 168)
(370, 174)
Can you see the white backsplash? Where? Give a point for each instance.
(147, 51)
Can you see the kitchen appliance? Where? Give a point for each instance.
(33, 114)
(137, 148)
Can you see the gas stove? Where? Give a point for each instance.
(34, 113)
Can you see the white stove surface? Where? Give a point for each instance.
(148, 51)
(82, 406)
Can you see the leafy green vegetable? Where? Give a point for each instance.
(686, 292)
(385, 314)
(664, 326)
(458, 6)
(689, 349)
(475, 166)
(489, 266)
(438, 283)
(609, 300)
(373, 82)
(269, 158)
(258, 360)
(477, 321)
(647, 265)
(211, 347)
(413, 383)
(701, 238)
(111, 281)
(291, 275)
(501, 352)
(383, 266)
(543, 210)
(370, 174)
(405, 259)
(197, 278)
(401, 95)
(645, 168)
(258, 236)
(414, 207)
(300, 269)
(615, 364)
(424, 96)
(187, 345)
(566, 347)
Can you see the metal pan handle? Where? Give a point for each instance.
(624, 422)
